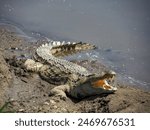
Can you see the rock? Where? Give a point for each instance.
(52, 101)
(46, 103)
(55, 107)
(21, 110)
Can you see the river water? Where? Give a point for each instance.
(120, 28)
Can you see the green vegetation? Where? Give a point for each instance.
(2, 109)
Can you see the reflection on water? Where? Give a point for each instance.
(119, 27)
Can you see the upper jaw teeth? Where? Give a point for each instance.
(110, 80)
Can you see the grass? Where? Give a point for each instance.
(2, 109)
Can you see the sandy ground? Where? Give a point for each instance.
(27, 92)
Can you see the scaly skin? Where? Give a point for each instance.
(71, 78)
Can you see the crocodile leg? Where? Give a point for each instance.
(60, 91)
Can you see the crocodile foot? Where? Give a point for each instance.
(60, 91)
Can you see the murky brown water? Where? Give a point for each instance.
(120, 28)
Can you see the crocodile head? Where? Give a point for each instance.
(96, 84)
(105, 82)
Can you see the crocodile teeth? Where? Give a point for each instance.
(74, 43)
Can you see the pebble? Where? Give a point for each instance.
(63, 110)
(21, 110)
(11, 100)
(46, 103)
(52, 102)
(55, 107)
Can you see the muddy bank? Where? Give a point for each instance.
(27, 92)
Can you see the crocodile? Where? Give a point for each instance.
(71, 79)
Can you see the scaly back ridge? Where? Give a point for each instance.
(47, 53)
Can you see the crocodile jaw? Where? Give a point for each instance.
(107, 83)
(103, 84)
(94, 87)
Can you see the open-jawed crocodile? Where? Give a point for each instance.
(72, 79)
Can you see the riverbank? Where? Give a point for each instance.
(27, 92)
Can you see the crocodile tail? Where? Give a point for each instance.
(70, 48)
